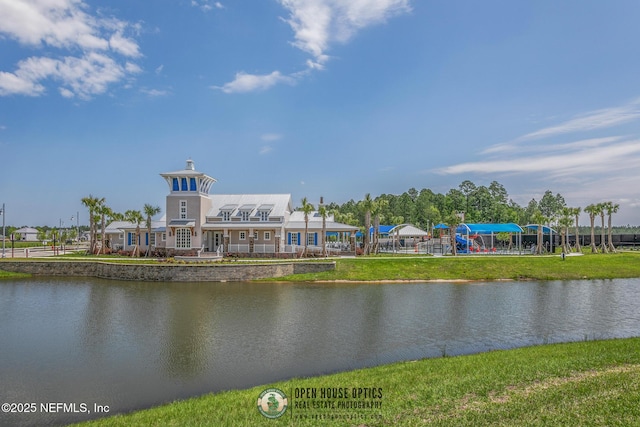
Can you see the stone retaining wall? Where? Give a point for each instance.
(166, 272)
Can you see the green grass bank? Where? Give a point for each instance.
(403, 268)
(597, 266)
(10, 275)
(594, 383)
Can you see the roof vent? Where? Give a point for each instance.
(190, 165)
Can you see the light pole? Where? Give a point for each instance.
(3, 232)
(77, 228)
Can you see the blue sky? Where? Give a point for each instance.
(337, 98)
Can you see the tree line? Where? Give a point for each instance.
(472, 203)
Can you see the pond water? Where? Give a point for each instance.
(132, 345)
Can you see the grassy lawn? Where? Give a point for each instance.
(609, 266)
(587, 383)
(390, 268)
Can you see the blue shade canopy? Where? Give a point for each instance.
(488, 228)
(545, 229)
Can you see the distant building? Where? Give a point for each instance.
(195, 220)
(26, 234)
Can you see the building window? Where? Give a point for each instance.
(311, 239)
(131, 239)
(164, 237)
(183, 238)
(183, 182)
(183, 209)
(255, 235)
(267, 235)
(243, 235)
(226, 216)
(294, 238)
(176, 187)
(244, 215)
(192, 184)
(153, 239)
(264, 215)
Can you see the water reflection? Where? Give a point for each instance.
(132, 345)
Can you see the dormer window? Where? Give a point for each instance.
(264, 211)
(245, 212)
(226, 211)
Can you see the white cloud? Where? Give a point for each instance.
(593, 120)
(154, 92)
(266, 149)
(94, 45)
(159, 69)
(271, 137)
(244, 82)
(317, 24)
(586, 160)
(124, 45)
(206, 5)
(11, 84)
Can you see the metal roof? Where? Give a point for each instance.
(297, 222)
(182, 223)
(488, 228)
(281, 203)
(410, 231)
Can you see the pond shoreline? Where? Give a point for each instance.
(166, 272)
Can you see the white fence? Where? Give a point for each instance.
(239, 248)
(257, 248)
(264, 248)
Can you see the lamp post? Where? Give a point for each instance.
(77, 228)
(2, 212)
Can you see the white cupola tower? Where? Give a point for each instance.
(188, 203)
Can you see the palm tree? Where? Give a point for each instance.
(322, 211)
(565, 221)
(136, 218)
(104, 211)
(576, 213)
(603, 244)
(592, 210)
(611, 208)
(378, 207)
(307, 208)
(149, 211)
(539, 219)
(367, 206)
(452, 220)
(92, 203)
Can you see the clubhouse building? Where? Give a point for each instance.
(196, 222)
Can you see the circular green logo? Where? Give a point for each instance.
(272, 403)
